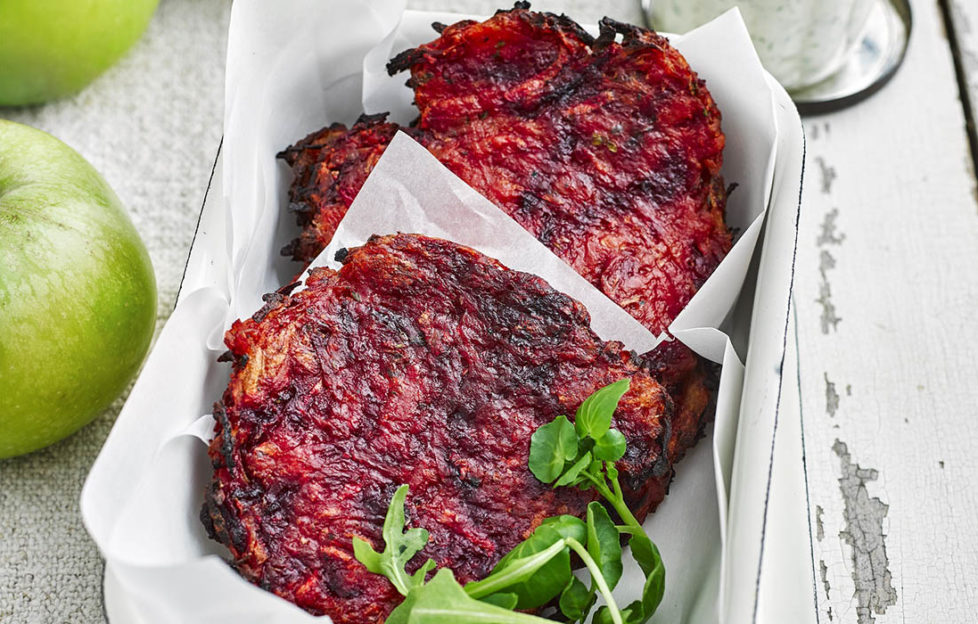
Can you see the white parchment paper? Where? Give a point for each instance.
(291, 70)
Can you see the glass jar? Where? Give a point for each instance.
(801, 42)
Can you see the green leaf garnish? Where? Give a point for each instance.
(561, 453)
(593, 418)
(647, 556)
(534, 572)
(538, 570)
(567, 526)
(520, 571)
(552, 446)
(443, 601)
(598, 448)
(604, 543)
(571, 476)
(576, 600)
(506, 601)
(611, 447)
(400, 547)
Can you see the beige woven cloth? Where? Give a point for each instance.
(151, 125)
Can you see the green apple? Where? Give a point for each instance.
(77, 291)
(53, 48)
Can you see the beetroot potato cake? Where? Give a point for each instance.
(420, 362)
(607, 149)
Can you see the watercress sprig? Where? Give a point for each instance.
(584, 455)
(532, 574)
(400, 547)
(538, 571)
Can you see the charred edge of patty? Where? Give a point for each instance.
(226, 447)
(311, 141)
(292, 249)
(640, 488)
(663, 463)
(314, 142)
(274, 300)
(711, 380)
(407, 58)
(216, 515)
(631, 35)
(304, 157)
(559, 23)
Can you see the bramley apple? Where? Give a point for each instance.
(77, 291)
(52, 48)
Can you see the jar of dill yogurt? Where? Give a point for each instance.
(801, 42)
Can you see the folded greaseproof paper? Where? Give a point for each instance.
(291, 70)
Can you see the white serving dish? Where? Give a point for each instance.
(143, 581)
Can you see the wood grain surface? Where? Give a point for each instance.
(885, 293)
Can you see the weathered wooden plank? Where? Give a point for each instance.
(885, 291)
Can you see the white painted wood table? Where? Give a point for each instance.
(880, 373)
(883, 337)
